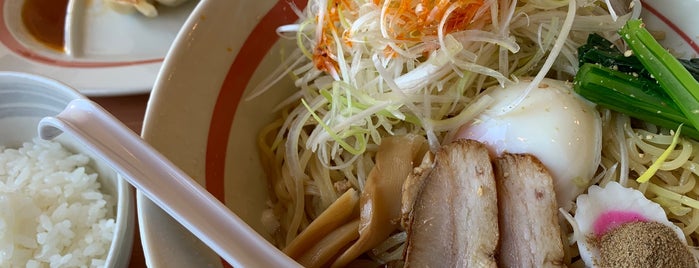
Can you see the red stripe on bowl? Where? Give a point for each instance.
(256, 46)
(690, 41)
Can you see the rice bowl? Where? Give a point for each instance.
(61, 205)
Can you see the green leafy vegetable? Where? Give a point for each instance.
(628, 94)
(692, 65)
(626, 81)
(603, 52)
(673, 78)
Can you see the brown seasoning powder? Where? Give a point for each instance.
(643, 244)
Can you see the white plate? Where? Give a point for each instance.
(195, 106)
(108, 53)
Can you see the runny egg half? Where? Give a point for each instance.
(553, 123)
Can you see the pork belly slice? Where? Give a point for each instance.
(530, 235)
(454, 220)
(411, 187)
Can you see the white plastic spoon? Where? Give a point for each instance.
(165, 184)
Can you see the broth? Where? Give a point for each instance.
(45, 21)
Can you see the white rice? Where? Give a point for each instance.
(52, 213)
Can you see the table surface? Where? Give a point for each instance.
(130, 110)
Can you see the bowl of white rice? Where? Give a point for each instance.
(60, 204)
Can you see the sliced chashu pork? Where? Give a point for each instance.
(412, 185)
(529, 228)
(454, 220)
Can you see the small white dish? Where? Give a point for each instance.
(107, 53)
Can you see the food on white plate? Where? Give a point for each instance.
(455, 206)
(530, 234)
(369, 71)
(562, 129)
(619, 226)
(145, 7)
(171, 3)
(52, 211)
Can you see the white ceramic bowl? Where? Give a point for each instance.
(24, 100)
(198, 117)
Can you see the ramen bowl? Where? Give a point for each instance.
(200, 115)
(98, 229)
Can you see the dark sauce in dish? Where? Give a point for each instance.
(45, 21)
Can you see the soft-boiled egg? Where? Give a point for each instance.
(553, 123)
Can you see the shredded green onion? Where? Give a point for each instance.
(357, 133)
